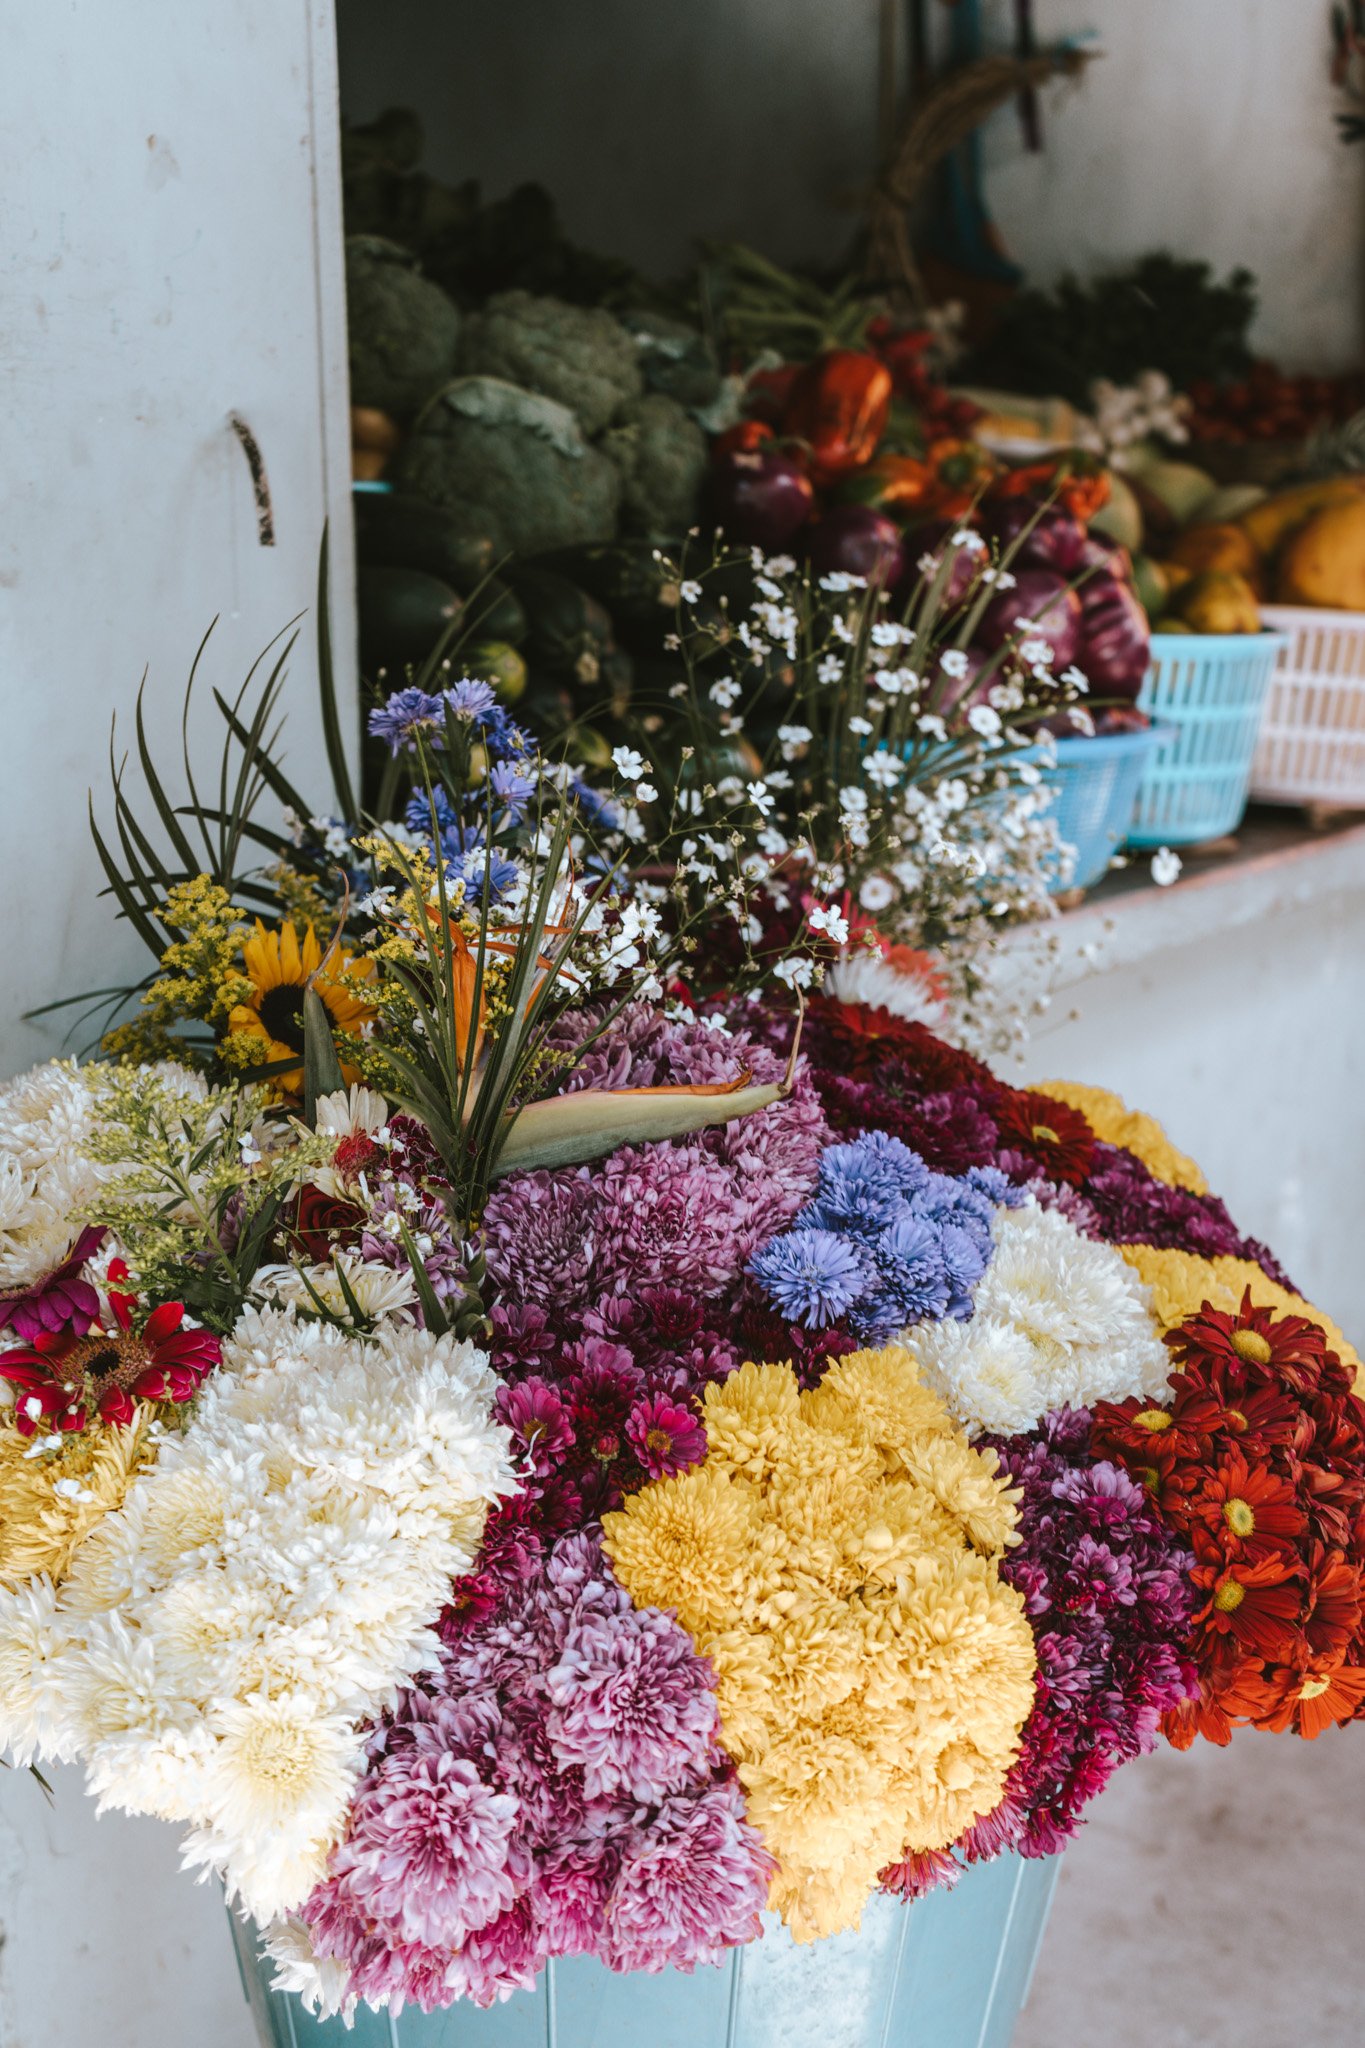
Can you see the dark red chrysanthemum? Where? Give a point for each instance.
(1056, 1137)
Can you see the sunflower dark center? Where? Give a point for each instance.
(282, 1015)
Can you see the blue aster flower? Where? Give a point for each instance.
(470, 699)
(470, 869)
(813, 1276)
(429, 814)
(864, 1184)
(406, 714)
(593, 807)
(512, 786)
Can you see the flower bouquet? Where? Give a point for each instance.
(524, 1446)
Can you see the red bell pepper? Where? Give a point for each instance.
(838, 407)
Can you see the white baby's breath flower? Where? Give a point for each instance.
(876, 892)
(1166, 867)
(830, 920)
(883, 770)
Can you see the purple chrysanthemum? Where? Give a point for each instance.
(1134, 1207)
(1106, 1588)
(61, 1299)
(556, 1789)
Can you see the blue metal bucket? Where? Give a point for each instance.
(951, 1971)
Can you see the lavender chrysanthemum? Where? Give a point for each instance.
(920, 1240)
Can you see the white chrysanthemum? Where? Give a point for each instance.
(320, 1982)
(862, 976)
(985, 1370)
(1057, 1320)
(264, 1592)
(33, 1641)
(379, 1290)
(159, 1771)
(46, 1120)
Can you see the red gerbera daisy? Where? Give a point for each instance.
(1331, 1606)
(60, 1380)
(1251, 1348)
(1045, 1130)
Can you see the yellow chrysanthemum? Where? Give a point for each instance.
(876, 1397)
(836, 1558)
(1181, 1283)
(684, 1543)
(280, 967)
(1112, 1121)
(50, 1500)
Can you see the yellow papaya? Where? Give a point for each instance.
(1268, 523)
(1217, 546)
(1217, 601)
(1322, 563)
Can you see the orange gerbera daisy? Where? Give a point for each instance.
(280, 967)
(1257, 1605)
(1283, 1697)
(1242, 1513)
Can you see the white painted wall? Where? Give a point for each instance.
(165, 169)
(1230, 1010)
(1207, 127)
(171, 253)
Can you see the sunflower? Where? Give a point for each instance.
(280, 967)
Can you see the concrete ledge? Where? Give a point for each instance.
(1278, 866)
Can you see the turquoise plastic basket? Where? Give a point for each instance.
(951, 1971)
(1095, 783)
(1210, 689)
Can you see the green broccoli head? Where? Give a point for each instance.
(514, 460)
(676, 359)
(660, 452)
(403, 328)
(579, 355)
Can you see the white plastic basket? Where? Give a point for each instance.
(1312, 743)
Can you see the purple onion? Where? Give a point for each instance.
(760, 497)
(1057, 541)
(935, 542)
(859, 541)
(1114, 643)
(1050, 609)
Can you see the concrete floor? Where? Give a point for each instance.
(1216, 1900)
